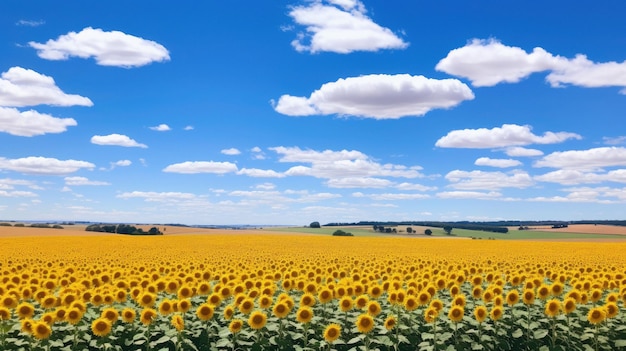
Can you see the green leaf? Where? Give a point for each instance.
(620, 343)
(355, 340)
(540, 334)
(517, 333)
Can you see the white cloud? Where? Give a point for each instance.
(412, 186)
(489, 62)
(266, 186)
(161, 128)
(31, 123)
(122, 163)
(331, 164)
(473, 180)
(392, 196)
(232, 151)
(572, 177)
(342, 29)
(518, 151)
(17, 193)
(473, 195)
(74, 181)
(585, 159)
(378, 96)
(151, 196)
(112, 48)
(257, 153)
(359, 182)
(500, 163)
(188, 128)
(194, 167)
(507, 135)
(21, 87)
(43, 165)
(602, 195)
(30, 23)
(260, 173)
(614, 140)
(116, 140)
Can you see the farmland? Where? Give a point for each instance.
(269, 291)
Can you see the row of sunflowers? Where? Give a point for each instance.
(263, 292)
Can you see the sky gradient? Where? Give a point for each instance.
(288, 112)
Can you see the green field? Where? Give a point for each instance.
(464, 233)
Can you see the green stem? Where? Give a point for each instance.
(306, 334)
(595, 338)
(435, 334)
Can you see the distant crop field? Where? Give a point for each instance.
(308, 292)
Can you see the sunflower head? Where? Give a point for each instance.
(25, 310)
(304, 314)
(346, 304)
(411, 303)
(569, 305)
(205, 312)
(611, 310)
(229, 311)
(596, 315)
(101, 327)
(390, 322)
(436, 304)
(128, 315)
(365, 323)
(307, 300)
(148, 315)
(235, 326)
(456, 313)
(257, 320)
(281, 309)
(512, 297)
(246, 306)
(178, 322)
(496, 313)
(431, 314)
(5, 313)
(553, 308)
(528, 297)
(480, 313)
(332, 333)
(41, 330)
(373, 308)
(111, 314)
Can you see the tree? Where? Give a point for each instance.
(447, 229)
(409, 230)
(428, 232)
(315, 225)
(340, 232)
(154, 231)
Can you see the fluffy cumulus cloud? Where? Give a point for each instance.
(330, 164)
(472, 195)
(378, 96)
(17, 193)
(505, 136)
(231, 152)
(21, 87)
(113, 48)
(116, 140)
(392, 196)
(31, 123)
(161, 128)
(573, 176)
(495, 162)
(475, 180)
(78, 181)
(260, 173)
(362, 182)
(194, 167)
(518, 151)
(340, 26)
(489, 62)
(43, 165)
(585, 159)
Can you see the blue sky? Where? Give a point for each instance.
(287, 112)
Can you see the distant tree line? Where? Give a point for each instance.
(121, 229)
(340, 232)
(34, 225)
(444, 225)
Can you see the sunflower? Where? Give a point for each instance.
(456, 313)
(423, 298)
(205, 312)
(365, 323)
(459, 300)
(411, 303)
(496, 313)
(41, 330)
(543, 292)
(346, 304)
(436, 304)
(431, 314)
(332, 333)
(101, 327)
(281, 309)
(229, 311)
(48, 317)
(612, 297)
(552, 308)
(183, 306)
(257, 320)
(25, 310)
(574, 294)
(528, 297)
(178, 322)
(556, 289)
(611, 310)
(148, 315)
(596, 315)
(480, 313)
(26, 325)
(5, 314)
(361, 301)
(477, 292)
(48, 301)
(235, 326)
(129, 315)
(165, 307)
(390, 322)
(307, 300)
(214, 299)
(184, 292)
(325, 295)
(375, 291)
(111, 314)
(265, 301)
(596, 295)
(569, 305)
(373, 308)
(304, 314)
(246, 306)
(512, 297)
(147, 299)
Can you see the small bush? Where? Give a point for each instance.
(5, 224)
(340, 232)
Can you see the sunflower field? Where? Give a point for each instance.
(283, 292)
